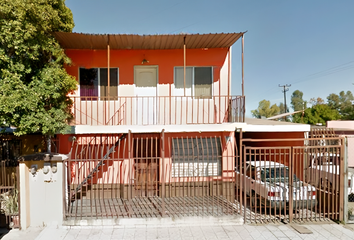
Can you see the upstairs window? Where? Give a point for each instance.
(199, 81)
(94, 82)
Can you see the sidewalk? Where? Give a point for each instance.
(259, 232)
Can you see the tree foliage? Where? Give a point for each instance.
(319, 113)
(298, 104)
(265, 110)
(343, 104)
(33, 83)
(282, 108)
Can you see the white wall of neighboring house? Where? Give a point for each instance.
(347, 126)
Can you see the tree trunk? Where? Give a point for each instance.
(49, 143)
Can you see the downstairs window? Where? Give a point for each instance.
(196, 157)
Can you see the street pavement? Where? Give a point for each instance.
(246, 231)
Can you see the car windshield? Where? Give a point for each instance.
(279, 174)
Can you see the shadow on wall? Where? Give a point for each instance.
(12, 147)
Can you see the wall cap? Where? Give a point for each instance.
(44, 156)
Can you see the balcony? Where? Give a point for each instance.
(162, 110)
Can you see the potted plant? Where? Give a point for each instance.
(9, 204)
(350, 214)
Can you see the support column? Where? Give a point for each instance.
(108, 77)
(184, 65)
(243, 88)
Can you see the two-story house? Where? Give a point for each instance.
(161, 122)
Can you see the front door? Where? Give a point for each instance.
(145, 79)
(146, 164)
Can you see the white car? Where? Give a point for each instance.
(351, 184)
(269, 182)
(323, 172)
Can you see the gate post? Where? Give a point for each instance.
(341, 180)
(345, 175)
(41, 188)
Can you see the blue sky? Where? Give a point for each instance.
(308, 44)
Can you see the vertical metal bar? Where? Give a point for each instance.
(184, 65)
(192, 110)
(180, 165)
(164, 110)
(196, 166)
(108, 74)
(170, 178)
(162, 147)
(114, 159)
(241, 183)
(170, 103)
(185, 175)
(136, 111)
(319, 175)
(130, 190)
(175, 112)
(243, 176)
(228, 73)
(203, 111)
(209, 111)
(90, 110)
(198, 109)
(131, 110)
(243, 88)
(291, 183)
(219, 101)
(181, 110)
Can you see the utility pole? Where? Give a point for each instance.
(285, 89)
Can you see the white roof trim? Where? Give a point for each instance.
(224, 127)
(277, 128)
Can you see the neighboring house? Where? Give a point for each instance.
(345, 129)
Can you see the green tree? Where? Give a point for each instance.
(320, 113)
(265, 110)
(33, 83)
(343, 104)
(282, 110)
(298, 104)
(316, 101)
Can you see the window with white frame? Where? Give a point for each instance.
(196, 157)
(199, 81)
(94, 82)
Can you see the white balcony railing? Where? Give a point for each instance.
(163, 110)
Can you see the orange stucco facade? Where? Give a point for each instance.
(166, 60)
